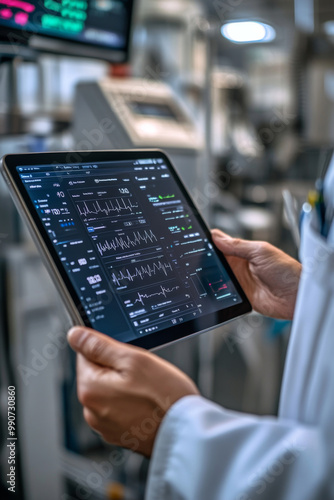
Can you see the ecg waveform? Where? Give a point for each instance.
(163, 291)
(126, 242)
(106, 207)
(141, 272)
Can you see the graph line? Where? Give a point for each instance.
(126, 242)
(105, 207)
(141, 272)
(164, 291)
(218, 286)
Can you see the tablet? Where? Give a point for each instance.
(125, 244)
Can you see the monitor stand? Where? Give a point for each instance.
(11, 120)
(10, 51)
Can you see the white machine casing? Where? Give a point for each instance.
(127, 113)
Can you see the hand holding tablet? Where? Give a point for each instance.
(127, 248)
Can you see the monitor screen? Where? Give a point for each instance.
(92, 28)
(135, 251)
(153, 109)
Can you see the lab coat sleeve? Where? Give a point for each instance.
(204, 452)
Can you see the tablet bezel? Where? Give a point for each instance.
(9, 164)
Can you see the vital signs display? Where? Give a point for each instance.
(103, 24)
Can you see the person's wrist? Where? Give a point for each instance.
(170, 412)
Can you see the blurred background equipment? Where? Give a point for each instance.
(241, 96)
(92, 28)
(138, 113)
(88, 28)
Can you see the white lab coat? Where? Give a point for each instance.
(204, 452)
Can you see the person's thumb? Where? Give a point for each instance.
(95, 346)
(233, 247)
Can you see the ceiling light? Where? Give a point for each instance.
(248, 32)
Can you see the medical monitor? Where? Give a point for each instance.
(90, 28)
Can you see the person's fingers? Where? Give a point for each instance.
(95, 346)
(234, 247)
(92, 419)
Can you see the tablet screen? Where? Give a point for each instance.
(136, 252)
